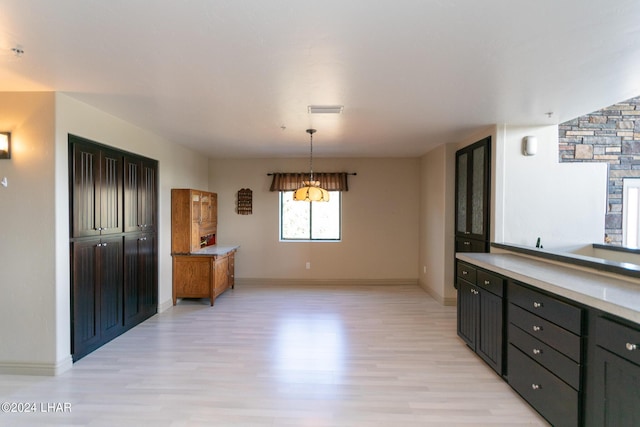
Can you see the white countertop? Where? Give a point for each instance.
(215, 250)
(606, 293)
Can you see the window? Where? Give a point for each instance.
(631, 212)
(310, 221)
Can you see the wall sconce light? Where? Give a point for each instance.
(529, 145)
(5, 145)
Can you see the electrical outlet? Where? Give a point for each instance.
(308, 265)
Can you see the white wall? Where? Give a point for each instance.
(436, 225)
(379, 222)
(27, 225)
(536, 196)
(34, 219)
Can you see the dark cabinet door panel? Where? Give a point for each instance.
(85, 319)
(467, 313)
(111, 287)
(617, 391)
(111, 193)
(85, 190)
(490, 329)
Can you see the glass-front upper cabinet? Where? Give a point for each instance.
(472, 197)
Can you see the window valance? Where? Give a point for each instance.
(289, 181)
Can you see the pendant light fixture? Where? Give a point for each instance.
(311, 190)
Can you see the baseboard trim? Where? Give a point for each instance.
(41, 369)
(439, 298)
(316, 282)
(165, 305)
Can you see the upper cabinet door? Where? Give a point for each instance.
(473, 190)
(97, 190)
(462, 169)
(85, 190)
(479, 189)
(110, 192)
(140, 194)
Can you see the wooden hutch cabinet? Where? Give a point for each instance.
(201, 269)
(113, 244)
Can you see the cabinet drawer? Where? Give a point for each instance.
(547, 307)
(549, 395)
(559, 364)
(491, 282)
(619, 339)
(466, 272)
(547, 332)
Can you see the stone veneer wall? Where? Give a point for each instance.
(610, 135)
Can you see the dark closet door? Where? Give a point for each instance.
(85, 301)
(140, 278)
(110, 192)
(85, 213)
(96, 190)
(96, 297)
(140, 188)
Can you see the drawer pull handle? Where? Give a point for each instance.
(536, 386)
(537, 304)
(467, 243)
(486, 282)
(465, 272)
(537, 328)
(537, 351)
(631, 347)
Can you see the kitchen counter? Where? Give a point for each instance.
(609, 294)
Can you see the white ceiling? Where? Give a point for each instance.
(224, 76)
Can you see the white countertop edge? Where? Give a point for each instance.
(618, 297)
(216, 250)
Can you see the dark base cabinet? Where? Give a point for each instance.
(480, 313)
(544, 356)
(614, 387)
(574, 364)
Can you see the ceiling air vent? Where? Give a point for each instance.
(325, 109)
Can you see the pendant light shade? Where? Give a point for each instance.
(311, 190)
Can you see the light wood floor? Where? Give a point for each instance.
(288, 356)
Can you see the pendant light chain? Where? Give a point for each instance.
(311, 132)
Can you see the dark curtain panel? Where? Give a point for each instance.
(330, 181)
